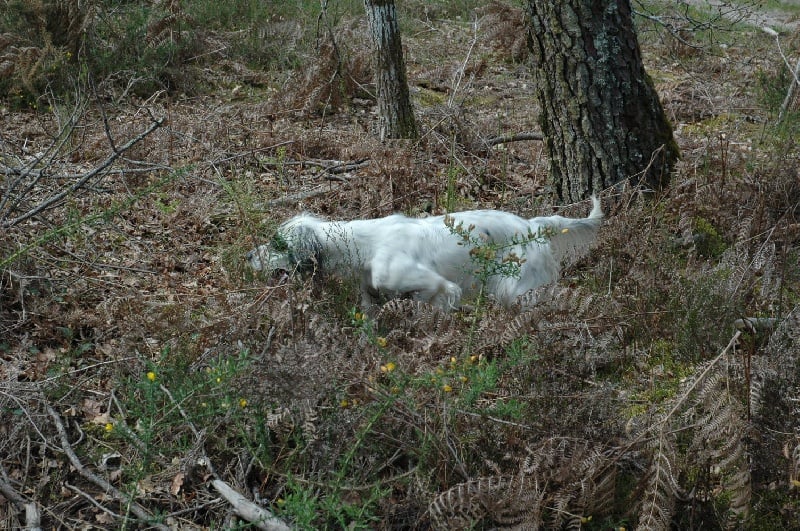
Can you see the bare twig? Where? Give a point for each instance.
(94, 502)
(57, 198)
(140, 512)
(458, 77)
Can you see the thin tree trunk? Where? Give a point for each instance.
(601, 117)
(396, 118)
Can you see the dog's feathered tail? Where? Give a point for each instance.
(571, 238)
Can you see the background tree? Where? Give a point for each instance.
(600, 114)
(396, 118)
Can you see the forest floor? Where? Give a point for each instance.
(132, 333)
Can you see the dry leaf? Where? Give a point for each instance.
(177, 483)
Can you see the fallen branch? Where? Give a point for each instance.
(140, 512)
(346, 166)
(255, 514)
(513, 137)
(756, 325)
(294, 198)
(32, 516)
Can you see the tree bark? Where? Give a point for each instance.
(601, 117)
(395, 116)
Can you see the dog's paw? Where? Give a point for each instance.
(452, 295)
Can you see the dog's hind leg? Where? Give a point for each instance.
(402, 274)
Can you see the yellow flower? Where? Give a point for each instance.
(242, 403)
(151, 376)
(446, 388)
(358, 316)
(453, 360)
(381, 342)
(389, 367)
(109, 427)
(280, 502)
(344, 403)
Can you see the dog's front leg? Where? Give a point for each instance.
(370, 297)
(401, 274)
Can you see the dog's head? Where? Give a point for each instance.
(294, 247)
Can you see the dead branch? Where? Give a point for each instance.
(347, 166)
(293, 198)
(32, 516)
(513, 137)
(140, 512)
(255, 514)
(795, 73)
(756, 325)
(85, 178)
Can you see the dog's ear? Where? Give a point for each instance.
(279, 243)
(304, 249)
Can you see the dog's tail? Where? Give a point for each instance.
(571, 238)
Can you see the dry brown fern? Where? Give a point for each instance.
(335, 75)
(718, 423)
(505, 26)
(494, 335)
(560, 480)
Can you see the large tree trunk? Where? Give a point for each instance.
(396, 118)
(601, 117)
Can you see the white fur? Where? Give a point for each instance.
(425, 258)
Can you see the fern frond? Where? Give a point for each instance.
(419, 317)
(493, 337)
(506, 500)
(658, 501)
(706, 405)
(562, 477)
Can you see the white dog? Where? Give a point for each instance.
(436, 259)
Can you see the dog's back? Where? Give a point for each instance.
(571, 237)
